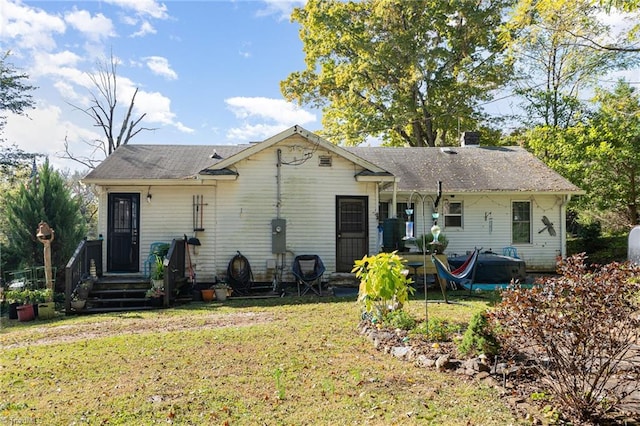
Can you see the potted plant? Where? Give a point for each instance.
(222, 291)
(157, 273)
(77, 303)
(156, 294)
(207, 294)
(15, 299)
(439, 247)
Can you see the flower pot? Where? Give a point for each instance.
(221, 294)
(157, 283)
(156, 302)
(207, 295)
(13, 310)
(196, 296)
(25, 313)
(78, 304)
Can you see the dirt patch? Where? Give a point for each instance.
(129, 324)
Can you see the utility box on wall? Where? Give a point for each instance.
(278, 236)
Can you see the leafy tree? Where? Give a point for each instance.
(554, 63)
(103, 111)
(48, 199)
(614, 152)
(626, 5)
(409, 72)
(88, 199)
(15, 97)
(14, 91)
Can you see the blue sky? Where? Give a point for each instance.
(208, 72)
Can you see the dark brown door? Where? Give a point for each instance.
(122, 233)
(352, 238)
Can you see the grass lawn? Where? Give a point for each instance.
(287, 361)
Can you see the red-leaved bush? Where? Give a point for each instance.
(579, 328)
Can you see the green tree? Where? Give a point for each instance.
(613, 180)
(411, 73)
(45, 197)
(554, 63)
(15, 97)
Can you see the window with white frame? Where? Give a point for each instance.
(521, 222)
(453, 214)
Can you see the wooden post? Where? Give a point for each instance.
(46, 235)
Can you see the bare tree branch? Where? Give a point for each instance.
(103, 111)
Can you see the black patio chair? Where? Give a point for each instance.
(308, 270)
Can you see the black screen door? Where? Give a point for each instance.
(122, 233)
(351, 231)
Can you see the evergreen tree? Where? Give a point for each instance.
(45, 197)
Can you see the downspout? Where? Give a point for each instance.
(215, 227)
(394, 198)
(563, 226)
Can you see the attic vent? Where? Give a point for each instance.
(448, 150)
(325, 161)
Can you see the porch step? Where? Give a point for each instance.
(118, 294)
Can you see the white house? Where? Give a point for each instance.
(296, 193)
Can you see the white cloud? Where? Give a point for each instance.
(280, 113)
(44, 132)
(282, 8)
(277, 110)
(158, 110)
(45, 63)
(145, 28)
(28, 27)
(254, 132)
(150, 8)
(95, 28)
(160, 66)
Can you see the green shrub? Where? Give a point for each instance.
(578, 328)
(384, 285)
(479, 337)
(399, 319)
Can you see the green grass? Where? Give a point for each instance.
(280, 361)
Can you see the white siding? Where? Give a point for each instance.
(238, 213)
(168, 216)
(307, 203)
(487, 225)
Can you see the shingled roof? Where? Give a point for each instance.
(131, 162)
(467, 169)
(461, 169)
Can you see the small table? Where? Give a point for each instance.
(415, 266)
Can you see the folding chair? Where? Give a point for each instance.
(308, 270)
(510, 251)
(155, 250)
